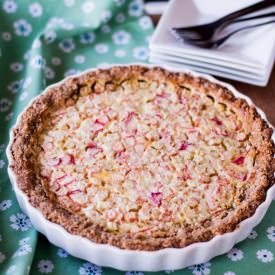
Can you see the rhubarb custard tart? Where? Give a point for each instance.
(143, 158)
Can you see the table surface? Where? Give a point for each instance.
(263, 97)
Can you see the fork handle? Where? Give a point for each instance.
(256, 7)
(223, 39)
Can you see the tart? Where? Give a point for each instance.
(143, 158)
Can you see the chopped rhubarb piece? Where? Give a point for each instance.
(91, 146)
(73, 192)
(121, 157)
(97, 121)
(163, 95)
(61, 177)
(55, 162)
(183, 100)
(185, 173)
(68, 183)
(97, 127)
(68, 159)
(239, 161)
(220, 131)
(93, 149)
(184, 146)
(217, 121)
(156, 197)
(129, 117)
(55, 186)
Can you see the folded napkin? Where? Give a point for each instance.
(41, 42)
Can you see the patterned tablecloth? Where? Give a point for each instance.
(41, 41)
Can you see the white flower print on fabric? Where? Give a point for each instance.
(6, 204)
(145, 22)
(5, 104)
(38, 62)
(27, 55)
(16, 67)
(56, 61)
(121, 37)
(229, 273)
(265, 256)
(90, 269)
(235, 254)
(169, 271)
(23, 96)
(20, 222)
(141, 53)
(67, 26)
(9, 6)
(2, 163)
(253, 235)
(88, 37)
(2, 257)
(67, 45)
(8, 117)
(105, 28)
(49, 36)
(271, 233)
(35, 9)
(106, 15)
(15, 86)
(88, 6)
(120, 53)
(22, 27)
(120, 18)
(200, 269)
(49, 73)
(62, 253)
(69, 3)
(22, 250)
(71, 72)
(45, 266)
(134, 273)
(26, 82)
(101, 48)
(79, 59)
(24, 241)
(135, 8)
(6, 36)
(11, 269)
(54, 22)
(36, 44)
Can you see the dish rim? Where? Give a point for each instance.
(124, 259)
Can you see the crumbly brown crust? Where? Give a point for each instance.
(101, 80)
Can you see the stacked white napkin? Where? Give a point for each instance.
(248, 56)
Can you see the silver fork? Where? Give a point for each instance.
(207, 31)
(215, 43)
(180, 35)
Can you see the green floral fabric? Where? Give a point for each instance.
(40, 43)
